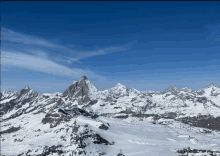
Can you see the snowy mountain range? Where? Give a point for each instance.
(85, 121)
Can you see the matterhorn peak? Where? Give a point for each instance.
(82, 87)
(84, 78)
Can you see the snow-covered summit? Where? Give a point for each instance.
(26, 87)
(77, 118)
(171, 89)
(211, 85)
(118, 87)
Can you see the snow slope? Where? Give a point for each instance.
(85, 121)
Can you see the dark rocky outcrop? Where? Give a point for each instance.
(62, 111)
(78, 88)
(104, 127)
(0, 95)
(10, 130)
(54, 121)
(202, 100)
(189, 151)
(78, 111)
(203, 121)
(53, 149)
(99, 140)
(121, 116)
(117, 107)
(20, 98)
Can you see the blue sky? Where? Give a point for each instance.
(142, 45)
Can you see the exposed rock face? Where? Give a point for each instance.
(203, 121)
(79, 88)
(10, 130)
(202, 100)
(20, 98)
(57, 111)
(104, 127)
(82, 90)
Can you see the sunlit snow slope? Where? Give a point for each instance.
(85, 121)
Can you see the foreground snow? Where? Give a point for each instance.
(134, 137)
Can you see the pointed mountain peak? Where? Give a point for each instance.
(84, 78)
(171, 88)
(118, 84)
(81, 88)
(211, 85)
(26, 88)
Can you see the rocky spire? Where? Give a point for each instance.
(80, 88)
(26, 88)
(84, 78)
(171, 88)
(211, 85)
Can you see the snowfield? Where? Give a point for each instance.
(85, 121)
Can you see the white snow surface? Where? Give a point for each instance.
(134, 137)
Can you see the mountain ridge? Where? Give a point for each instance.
(84, 104)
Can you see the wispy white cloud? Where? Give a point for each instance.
(102, 51)
(12, 36)
(42, 65)
(43, 48)
(40, 87)
(38, 54)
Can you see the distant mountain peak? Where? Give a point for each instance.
(80, 88)
(119, 84)
(26, 87)
(171, 88)
(84, 78)
(211, 85)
